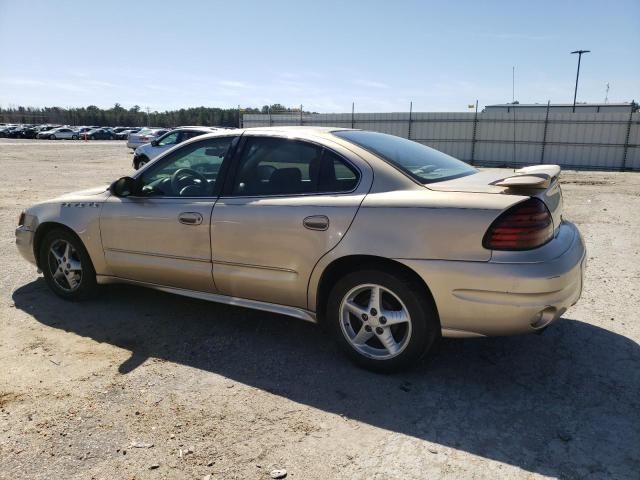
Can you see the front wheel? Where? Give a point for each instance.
(383, 321)
(140, 161)
(67, 266)
(52, 137)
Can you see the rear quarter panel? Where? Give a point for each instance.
(418, 224)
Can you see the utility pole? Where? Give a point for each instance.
(575, 92)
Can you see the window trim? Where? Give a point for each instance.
(227, 192)
(223, 172)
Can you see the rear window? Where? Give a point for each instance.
(423, 163)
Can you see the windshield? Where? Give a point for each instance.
(423, 163)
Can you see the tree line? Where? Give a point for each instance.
(134, 116)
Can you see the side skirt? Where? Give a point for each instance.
(295, 312)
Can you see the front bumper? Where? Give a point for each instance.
(24, 242)
(492, 298)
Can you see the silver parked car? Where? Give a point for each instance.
(388, 243)
(145, 135)
(60, 133)
(147, 152)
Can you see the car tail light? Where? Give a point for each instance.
(524, 226)
(143, 138)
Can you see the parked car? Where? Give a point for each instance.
(15, 132)
(124, 135)
(99, 134)
(83, 130)
(388, 243)
(29, 132)
(6, 130)
(117, 130)
(145, 135)
(149, 151)
(60, 133)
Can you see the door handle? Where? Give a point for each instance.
(316, 222)
(190, 218)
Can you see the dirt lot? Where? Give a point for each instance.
(234, 394)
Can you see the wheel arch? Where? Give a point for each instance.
(341, 266)
(41, 233)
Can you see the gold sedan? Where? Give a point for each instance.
(388, 243)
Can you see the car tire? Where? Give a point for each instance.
(52, 137)
(74, 137)
(66, 265)
(388, 334)
(140, 161)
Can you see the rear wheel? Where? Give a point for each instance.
(74, 137)
(382, 320)
(67, 266)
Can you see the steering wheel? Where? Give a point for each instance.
(184, 177)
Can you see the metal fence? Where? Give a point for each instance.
(592, 141)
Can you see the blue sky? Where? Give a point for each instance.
(323, 54)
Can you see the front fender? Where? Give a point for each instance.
(81, 216)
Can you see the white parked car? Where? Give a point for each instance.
(149, 151)
(145, 135)
(61, 133)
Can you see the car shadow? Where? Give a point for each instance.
(564, 404)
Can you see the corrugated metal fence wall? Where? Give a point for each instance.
(607, 141)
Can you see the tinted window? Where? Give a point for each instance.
(170, 139)
(190, 171)
(275, 166)
(187, 134)
(335, 175)
(419, 161)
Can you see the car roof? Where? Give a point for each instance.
(294, 131)
(196, 129)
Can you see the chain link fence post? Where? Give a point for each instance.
(626, 141)
(473, 138)
(353, 108)
(544, 132)
(410, 113)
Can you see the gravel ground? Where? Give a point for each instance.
(86, 388)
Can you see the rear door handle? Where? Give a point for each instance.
(316, 222)
(190, 218)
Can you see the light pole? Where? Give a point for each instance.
(575, 92)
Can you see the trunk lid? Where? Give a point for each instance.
(539, 181)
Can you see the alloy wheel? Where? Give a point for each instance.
(375, 321)
(65, 265)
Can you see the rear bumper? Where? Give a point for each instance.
(492, 298)
(24, 242)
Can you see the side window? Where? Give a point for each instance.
(170, 139)
(336, 175)
(277, 166)
(187, 134)
(191, 171)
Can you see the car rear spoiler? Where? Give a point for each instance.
(536, 176)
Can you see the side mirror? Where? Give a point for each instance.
(154, 143)
(123, 187)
